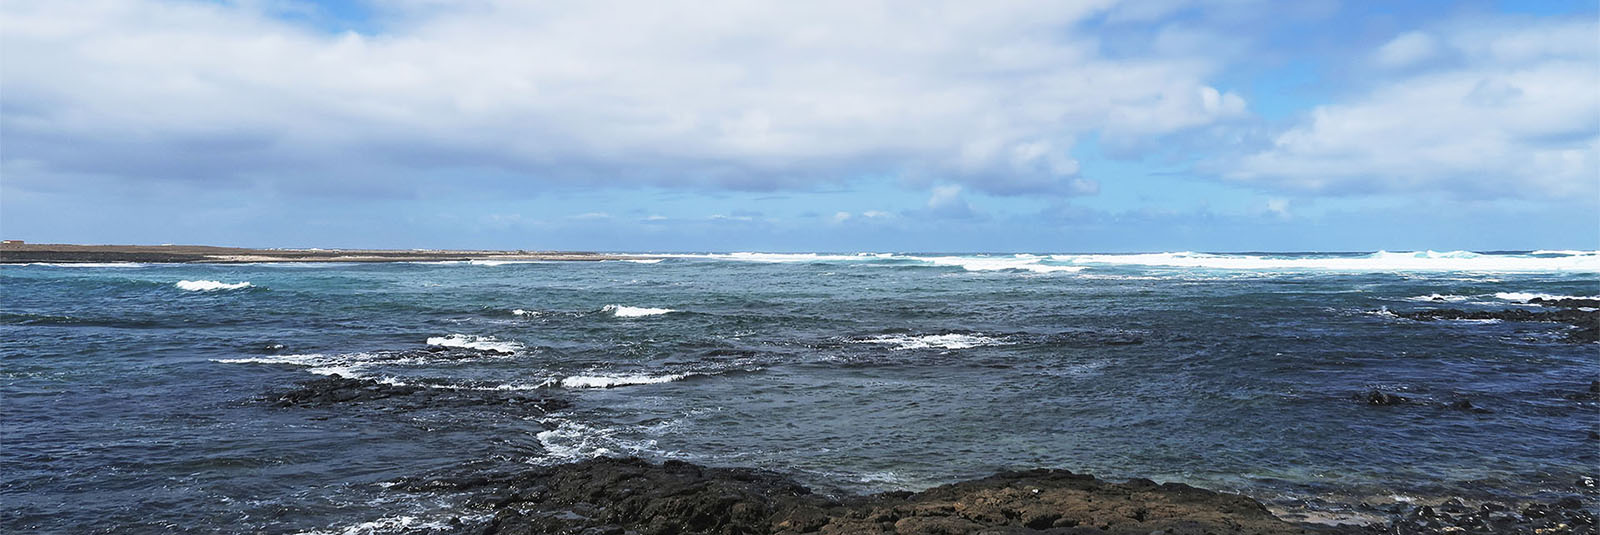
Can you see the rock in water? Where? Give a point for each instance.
(634, 496)
(1378, 397)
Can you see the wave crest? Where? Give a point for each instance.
(622, 311)
(481, 343)
(210, 286)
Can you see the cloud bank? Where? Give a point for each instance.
(992, 96)
(1482, 108)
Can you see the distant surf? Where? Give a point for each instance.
(1377, 262)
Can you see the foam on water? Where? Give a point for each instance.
(612, 381)
(568, 441)
(482, 343)
(622, 311)
(998, 263)
(1528, 296)
(931, 341)
(210, 286)
(1381, 261)
(521, 312)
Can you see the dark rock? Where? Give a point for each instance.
(634, 496)
(1465, 405)
(1586, 321)
(335, 389)
(1378, 397)
(1583, 302)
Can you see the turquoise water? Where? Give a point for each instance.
(132, 399)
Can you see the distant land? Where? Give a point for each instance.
(14, 252)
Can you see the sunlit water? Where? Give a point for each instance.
(131, 392)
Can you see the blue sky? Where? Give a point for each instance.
(1238, 125)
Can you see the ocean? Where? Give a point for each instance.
(142, 398)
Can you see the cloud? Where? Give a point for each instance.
(1279, 207)
(992, 96)
(1513, 113)
(1408, 49)
(946, 202)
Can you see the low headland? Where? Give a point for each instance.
(57, 253)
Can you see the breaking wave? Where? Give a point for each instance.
(210, 286)
(1381, 261)
(622, 311)
(931, 341)
(612, 381)
(481, 343)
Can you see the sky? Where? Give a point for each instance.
(921, 126)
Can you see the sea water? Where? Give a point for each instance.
(135, 396)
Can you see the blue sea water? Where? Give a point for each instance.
(133, 394)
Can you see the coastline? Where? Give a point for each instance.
(11, 253)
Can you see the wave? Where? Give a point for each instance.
(931, 341)
(1527, 296)
(567, 441)
(612, 381)
(1381, 261)
(521, 312)
(481, 343)
(355, 365)
(622, 311)
(210, 286)
(984, 263)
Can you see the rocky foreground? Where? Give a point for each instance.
(620, 496)
(609, 496)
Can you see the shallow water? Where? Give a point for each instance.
(131, 396)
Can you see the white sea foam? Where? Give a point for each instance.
(521, 312)
(644, 260)
(482, 343)
(210, 286)
(566, 441)
(930, 341)
(1381, 261)
(348, 365)
(355, 365)
(398, 524)
(1526, 296)
(612, 381)
(622, 311)
(998, 263)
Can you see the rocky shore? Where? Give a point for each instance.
(1583, 314)
(12, 253)
(630, 496)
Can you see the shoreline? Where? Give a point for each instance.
(56, 253)
(634, 495)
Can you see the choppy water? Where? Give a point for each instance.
(130, 396)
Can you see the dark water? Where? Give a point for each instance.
(131, 405)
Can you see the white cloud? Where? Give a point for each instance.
(1515, 114)
(1278, 207)
(1408, 49)
(728, 94)
(840, 217)
(947, 202)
